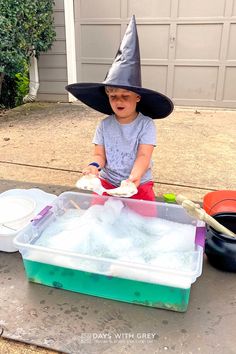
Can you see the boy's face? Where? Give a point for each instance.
(123, 103)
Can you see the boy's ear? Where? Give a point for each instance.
(138, 98)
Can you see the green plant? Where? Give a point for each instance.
(11, 58)
(22, 87)
(26, 27)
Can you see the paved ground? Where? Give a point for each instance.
(13, 347)
(46, 145)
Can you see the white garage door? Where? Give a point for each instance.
(187, 47)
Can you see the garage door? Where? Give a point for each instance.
(187, 47)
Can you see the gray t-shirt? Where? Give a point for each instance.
(121, 143)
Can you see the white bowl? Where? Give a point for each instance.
(16, 212)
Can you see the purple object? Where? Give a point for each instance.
(200, 236)
(41, 214)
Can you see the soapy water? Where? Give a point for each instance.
(115, 232)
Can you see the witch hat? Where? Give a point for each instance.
(125, 73)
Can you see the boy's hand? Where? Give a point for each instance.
(135, 179)
(90, 170)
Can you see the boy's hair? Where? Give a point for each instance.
(109, 89)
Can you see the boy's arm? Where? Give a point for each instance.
(99, 157)
(142, 163)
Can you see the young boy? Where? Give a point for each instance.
(124, 141)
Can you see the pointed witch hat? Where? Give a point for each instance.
(125, 73)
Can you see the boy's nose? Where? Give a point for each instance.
(119, 99)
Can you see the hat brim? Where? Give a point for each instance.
(152, 103)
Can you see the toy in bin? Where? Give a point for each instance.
(220, 247)
(108, 249)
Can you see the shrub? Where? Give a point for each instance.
(26, 27)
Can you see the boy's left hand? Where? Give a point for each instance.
(135, 179)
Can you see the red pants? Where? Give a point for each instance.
(145, 192)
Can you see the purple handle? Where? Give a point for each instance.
(41, 214)
(200, 236)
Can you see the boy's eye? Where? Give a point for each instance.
(123, 97)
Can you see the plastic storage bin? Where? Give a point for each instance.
(127, 279)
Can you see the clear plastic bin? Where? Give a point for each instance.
(123, 279)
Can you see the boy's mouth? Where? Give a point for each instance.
(120, 108)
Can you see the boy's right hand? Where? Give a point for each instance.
(90, 170)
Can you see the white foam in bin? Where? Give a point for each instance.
(17, 208)
(68, 255)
